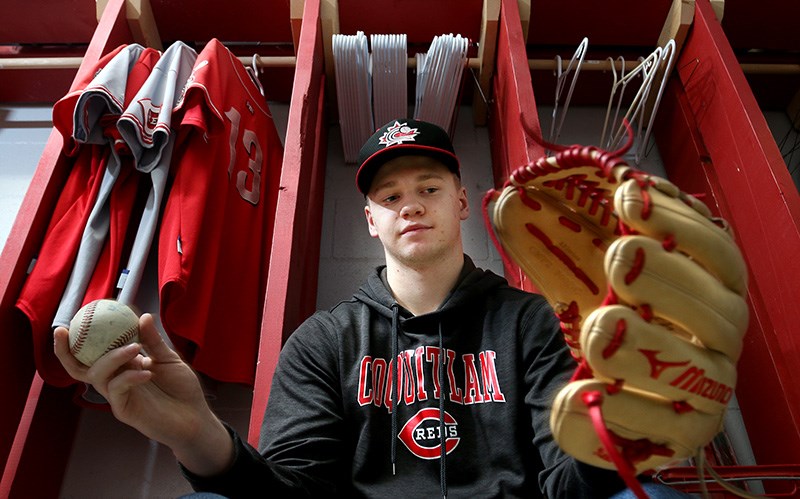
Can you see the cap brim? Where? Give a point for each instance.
(370, 166)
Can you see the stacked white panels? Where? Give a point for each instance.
(439, 79)
(353, 91)
(389, 80)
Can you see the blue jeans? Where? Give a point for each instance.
(655, 491)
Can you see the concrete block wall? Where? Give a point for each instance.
(23, 133)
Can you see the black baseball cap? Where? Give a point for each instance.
(403, 137)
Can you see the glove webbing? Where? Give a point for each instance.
(567, 156)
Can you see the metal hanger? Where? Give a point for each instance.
(668, 55)
(561, 76)
(253, 70)
(647, 69)
(622, 81)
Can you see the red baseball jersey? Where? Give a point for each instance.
(87, 162)
(217, 223)
(103, 242)
(147, 127)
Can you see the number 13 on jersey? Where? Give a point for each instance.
(249, 140)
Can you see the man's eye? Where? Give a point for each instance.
(431, 190)
(389, 199)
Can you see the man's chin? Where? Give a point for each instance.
(421, 256)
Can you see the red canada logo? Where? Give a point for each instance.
(397, 134)
(422, 434)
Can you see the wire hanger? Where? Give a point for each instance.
(622, 81)
(649, 68)
(646, 68)
(561, 76)
(668, 55)
(253, 70)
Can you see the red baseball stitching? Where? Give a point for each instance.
(83, 329)
(125, 338)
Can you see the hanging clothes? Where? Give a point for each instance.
(217, 224)
(113, 77)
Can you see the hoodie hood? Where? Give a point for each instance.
(472, 284)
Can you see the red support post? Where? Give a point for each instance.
(295, 254)
(715, 140)
(28, 405)
(512, 105)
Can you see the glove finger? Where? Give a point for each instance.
(648, 432)
(674, 191)
(532, 238)
(621, 346)
(642, 273)
(692, 231)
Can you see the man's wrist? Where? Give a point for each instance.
(210, 452)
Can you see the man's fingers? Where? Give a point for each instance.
(118, 361)
(126, 380)
(153, 343)
(111, 364)
(73, 366)
(61, 341)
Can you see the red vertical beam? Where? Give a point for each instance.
(291, 261)
(29, 433)
(45, 435)
(512, 105)
(689, 164)
(738, 163)
(315, 200)
(513, 100)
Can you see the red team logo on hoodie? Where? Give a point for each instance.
(422, 434)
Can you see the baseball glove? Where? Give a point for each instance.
(649, 288)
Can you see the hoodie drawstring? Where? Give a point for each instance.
(442, 439)
(394, 396)
(395, 399)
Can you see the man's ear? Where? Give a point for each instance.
(463, 203)
(373, 231)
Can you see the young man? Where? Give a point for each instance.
(355, 405)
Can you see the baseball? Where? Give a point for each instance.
(99, 327)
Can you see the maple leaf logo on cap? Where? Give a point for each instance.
(397, 134)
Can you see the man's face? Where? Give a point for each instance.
(415, 207)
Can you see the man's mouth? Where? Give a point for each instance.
(414, 228)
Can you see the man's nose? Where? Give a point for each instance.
(412, 207)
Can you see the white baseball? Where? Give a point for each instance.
(99, 327)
